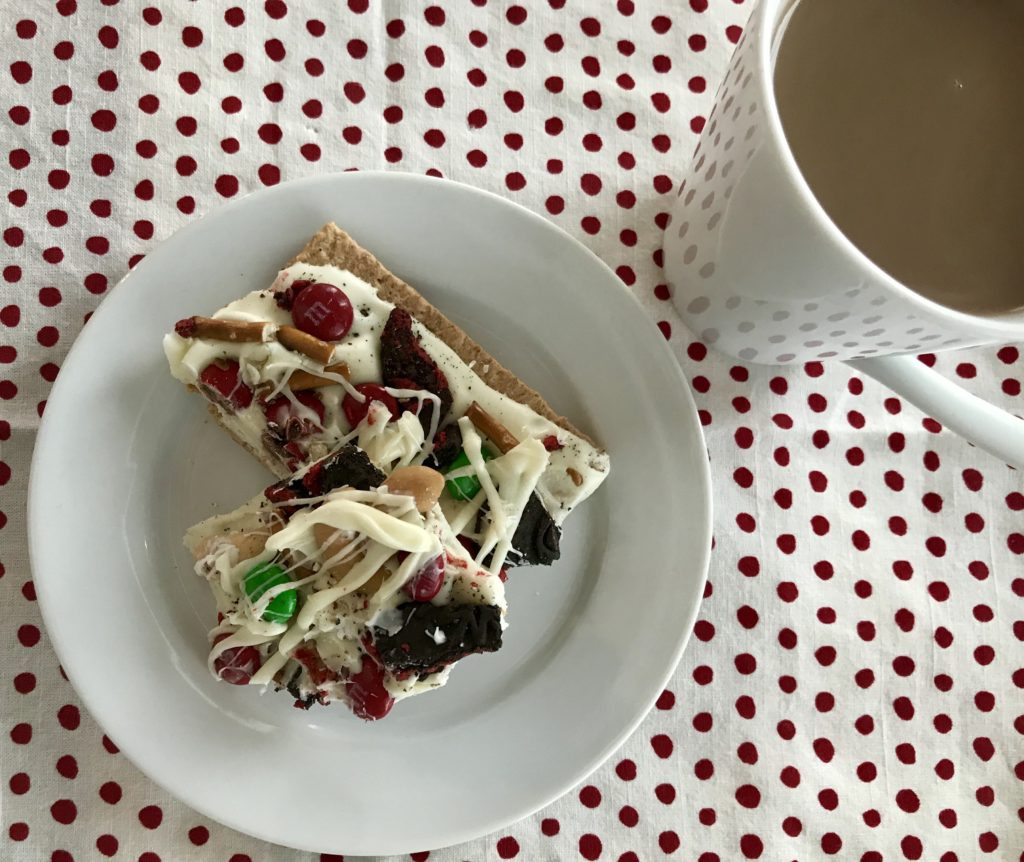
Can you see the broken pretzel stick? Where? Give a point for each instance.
(301, 380)
(499, 435)
(303, 342)
(221, 329)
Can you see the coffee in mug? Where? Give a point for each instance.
(905, 118)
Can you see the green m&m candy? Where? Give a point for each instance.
(465, 487)
(262, 578)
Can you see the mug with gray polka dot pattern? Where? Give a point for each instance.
(758, 270)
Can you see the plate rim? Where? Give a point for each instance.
(703, 480)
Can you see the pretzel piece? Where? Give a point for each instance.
(498, 434)
(302, 342)
(301, 380)
(221, 329)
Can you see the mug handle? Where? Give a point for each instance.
(987, 426)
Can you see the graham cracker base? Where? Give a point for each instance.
(331, 246)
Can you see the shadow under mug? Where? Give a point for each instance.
(758, 270)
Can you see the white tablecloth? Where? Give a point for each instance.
(852, 690)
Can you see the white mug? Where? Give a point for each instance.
(757, 268)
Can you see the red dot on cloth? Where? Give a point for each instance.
(665, 793)
(507, 847)
(628, 816)
(550, 826)
(908, 801)
(747, 753)
(668, 841)
(28, 635)
(904, 708)
(18, 831)
(703, 722)
(354, 92)
(270, 133)
(831, 843)
(867, 771)
(790, 776)
(107, 845)
(275, 50)
(662, 745)
(64, 811)
(151, 816)
(590, 846)
(824, 749)
(666, 700)
(226, 185)
(24, 683)
(748, 796)
(751, 846)
(903, 665)
(110, 792)
(625, 769)
(192, 37)
(988, 842)
(108, 37)
(67, 766)
(911, 847)
(906, 753)
(983, 748)
(199, 835)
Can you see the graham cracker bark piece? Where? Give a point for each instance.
(331, 246)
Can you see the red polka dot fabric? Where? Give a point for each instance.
(853, 686)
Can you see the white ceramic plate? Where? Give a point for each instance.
(126, 460)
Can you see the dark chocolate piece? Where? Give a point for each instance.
(447, 446)
(348, 465)
(537, 537)
(467, 629)
(406, 365)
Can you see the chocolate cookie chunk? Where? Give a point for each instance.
(447, 447)
(406, 365)
(537, 537)
(349, 466)
(434, 636)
